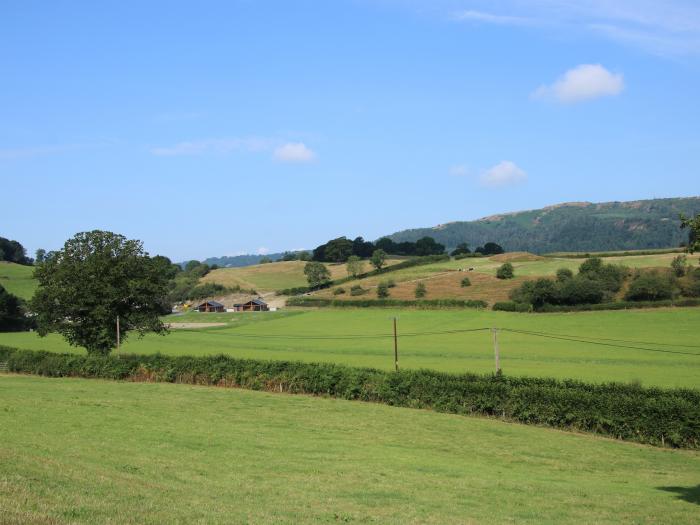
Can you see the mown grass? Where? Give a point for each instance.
(672, 360)
(89, 451)
(17, 279)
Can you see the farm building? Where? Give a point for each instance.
(256, 305)
(210, 306)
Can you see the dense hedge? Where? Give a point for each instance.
(366, 303)
(625, 411)
(511, 306)
(629, 253)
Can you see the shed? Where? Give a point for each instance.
(211, 306)
(256, 305)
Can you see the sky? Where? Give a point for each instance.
(253, 126)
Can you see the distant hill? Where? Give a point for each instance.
(237, 261)
(572, 226)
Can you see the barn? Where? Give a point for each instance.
(211, 306)
(256, 305)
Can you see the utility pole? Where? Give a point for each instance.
(496, 351)
(396, 347)
(118, 336)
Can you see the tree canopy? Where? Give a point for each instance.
(97, 277)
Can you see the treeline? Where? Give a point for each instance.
(597, 283)
(655, 416)
(341, 249)
(14, 252)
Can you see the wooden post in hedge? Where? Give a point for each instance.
(396, 347)
(496, 351)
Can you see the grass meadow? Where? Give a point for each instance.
(656, 347)
(90, 451)
(17, 279)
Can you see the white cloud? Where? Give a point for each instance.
(294, 152)
(584, 82)
(505, 173)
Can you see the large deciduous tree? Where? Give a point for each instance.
(96, 278)
(317, 274)
(378, 259)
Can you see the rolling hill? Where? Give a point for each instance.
(573, 226)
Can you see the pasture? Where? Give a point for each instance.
(442, 279)
(653, 347)
(17, 279)
(90, 451)
(272, 276)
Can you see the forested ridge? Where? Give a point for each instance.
(580, 227)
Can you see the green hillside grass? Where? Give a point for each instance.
(89, 451)
(271, 276)
(17, 279)
(307, 336)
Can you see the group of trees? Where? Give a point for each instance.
(490, 248)
(341, 249)
(594, 283)
(13, 251)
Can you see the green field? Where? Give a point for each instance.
(89, 451)
(665, 349)
(17, 279)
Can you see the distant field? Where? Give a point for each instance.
(442, 279)
(89, 451)
(17, 279)
(660, 347)
(271, 276)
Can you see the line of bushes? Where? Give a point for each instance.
(587, 255)
(512, 306)
(655, 416)
(408, 263)
(365, 303)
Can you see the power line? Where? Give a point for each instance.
(576, 340)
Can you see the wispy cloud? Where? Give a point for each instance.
(668, 28)
(505, 173)
(491, 18)
(219, 146)
(584, 82)
(294, 152)
(37, 151)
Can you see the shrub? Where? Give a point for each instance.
(506, 271)
(357, 290)
(383, 290)
(679, 265)
(650, 286)
(655, 416)
(564, 274)
(206, 290)
(511, 306)
(391, 283)
(339, 291)
(420, 291)
(465, 282)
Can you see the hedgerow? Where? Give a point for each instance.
(367, 303)
(656, 416)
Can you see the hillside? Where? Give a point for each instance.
(17, 279)
(576, 226)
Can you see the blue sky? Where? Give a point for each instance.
(218, 128)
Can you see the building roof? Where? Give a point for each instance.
(210, 303)
(258, 302)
